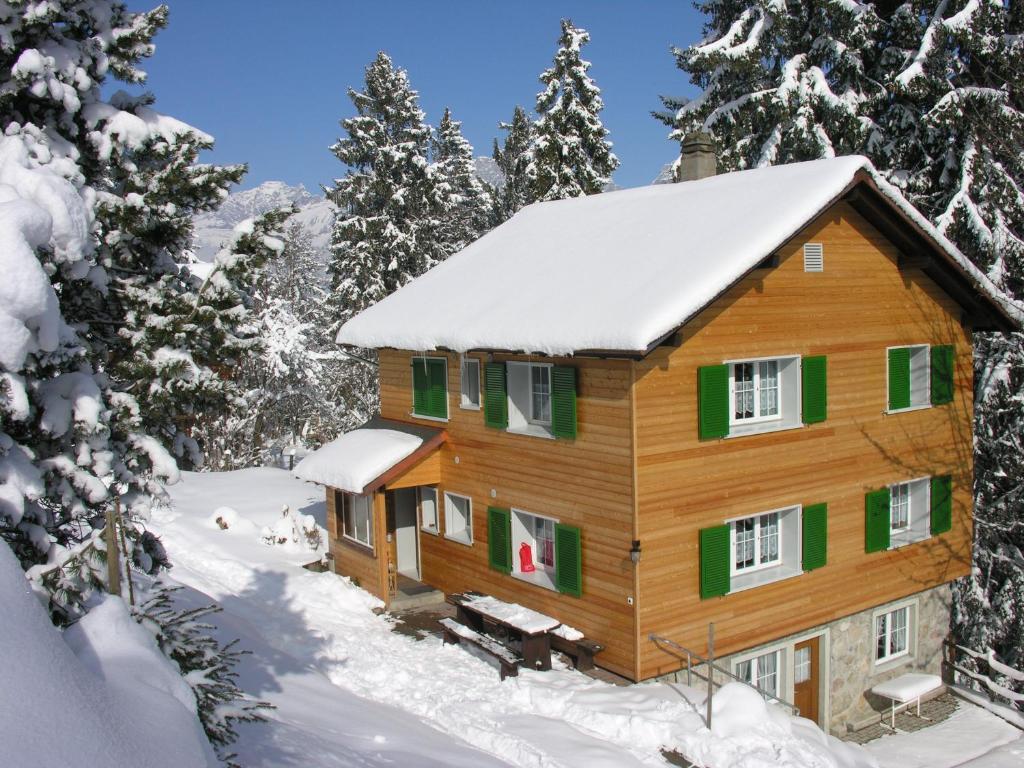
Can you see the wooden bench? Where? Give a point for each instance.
(581, 651)
(456, 633)
(508, 622)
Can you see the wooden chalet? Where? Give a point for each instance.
(743, 399)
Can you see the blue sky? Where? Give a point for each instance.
(268, 79)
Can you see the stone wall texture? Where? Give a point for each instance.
(851, 657)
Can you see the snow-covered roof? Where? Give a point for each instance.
(358, 460)
(621, 270)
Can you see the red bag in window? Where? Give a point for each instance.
(526, 558)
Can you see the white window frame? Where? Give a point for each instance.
(466, 364)
(522, 420)
(434, 529)
(348, 499)
(522, 532)
(788, 376)
(464, 536)
(412, 390)
(904, 656)
(755, 660)
(760, 522)
(918, 527)
(790, 548)
(923, 393)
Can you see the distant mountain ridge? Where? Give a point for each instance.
(315, 215)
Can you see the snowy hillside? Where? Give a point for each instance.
(316, 215)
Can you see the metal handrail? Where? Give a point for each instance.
(681, 651)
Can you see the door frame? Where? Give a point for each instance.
(392, 529)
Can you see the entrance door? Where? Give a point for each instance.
(806, 679)
(406, 535)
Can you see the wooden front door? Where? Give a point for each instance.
(806, 679)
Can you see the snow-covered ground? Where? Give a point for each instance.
(349, 691)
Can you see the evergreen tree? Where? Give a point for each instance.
(464, 200)
(571, 155)
(387, 212)
(515, 161)
(931, 93)
(781, 81)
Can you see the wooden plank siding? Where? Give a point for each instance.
(586, 482)
(860, 305)
(366, 567)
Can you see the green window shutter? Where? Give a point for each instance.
(499, 539)
(563, 401)
(899, 378)
(714, 561)
(568, 560)
(420, 387)
(942, 374)
(876, 520)
(814, 394)
(942, 504)
(815, 536)
(495, 396)
(437, 398)
(713, 401)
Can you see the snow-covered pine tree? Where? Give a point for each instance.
(781, 81)
(930, 91)
(223, 306)
(515, 161)
(571, 154)
(465, 201)
(71, 438)
(387, 209)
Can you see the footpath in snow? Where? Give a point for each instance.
(350, 691)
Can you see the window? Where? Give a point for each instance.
(764, 548)
(764, 395)
(909, 512)
(533, 543)
(802, 665)
(428, 508)
(529, 398)
(430, 387)
(470, 383)
(757, 542)
(762, 671)
(357, 518)
(540, 394)
(892, 634)
(909, 377)
(458, 518)
(755, 390)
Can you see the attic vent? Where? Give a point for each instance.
(814, 257)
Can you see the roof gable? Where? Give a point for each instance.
(619, 271)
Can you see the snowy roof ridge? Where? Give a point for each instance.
(619, 271)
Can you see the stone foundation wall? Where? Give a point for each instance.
(852, 653)
(848, 645)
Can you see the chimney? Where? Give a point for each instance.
(698, 159)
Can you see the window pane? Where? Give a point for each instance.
(743, 390)
(347, 514)
(540, 377)
(899, 506)
(471, 382)
(769, 388)
(920, 374)
(744, 543)
(744, 671)
(457, 517)
(544, 541)
(769, 538)
(767, 673)
(881, 644)
(898, 637)
(802, 665)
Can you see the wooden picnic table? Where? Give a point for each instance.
(506, 621)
